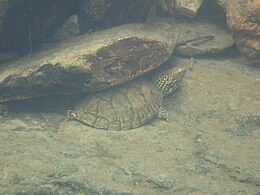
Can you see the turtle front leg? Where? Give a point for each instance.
(72, 115)
(4, 113)
(163, 114)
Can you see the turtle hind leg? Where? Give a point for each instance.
(72, 115)
(163, 114)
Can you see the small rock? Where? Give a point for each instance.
(69, 29)
(187, 7)
(244, 22)
(182, 7)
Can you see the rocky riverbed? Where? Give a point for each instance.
(210, 146)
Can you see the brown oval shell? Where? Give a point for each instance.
(121, 108)
(89, 62)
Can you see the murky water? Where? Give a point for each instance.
(210, 145)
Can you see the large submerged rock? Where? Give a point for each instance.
(244, 22)
(89, 62)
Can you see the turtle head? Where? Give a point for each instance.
(168, 81)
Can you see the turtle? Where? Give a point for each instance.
(130, 105)
(89, 62)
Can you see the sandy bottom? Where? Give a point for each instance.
(210, 146)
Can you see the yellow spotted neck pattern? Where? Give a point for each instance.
(168, 81)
